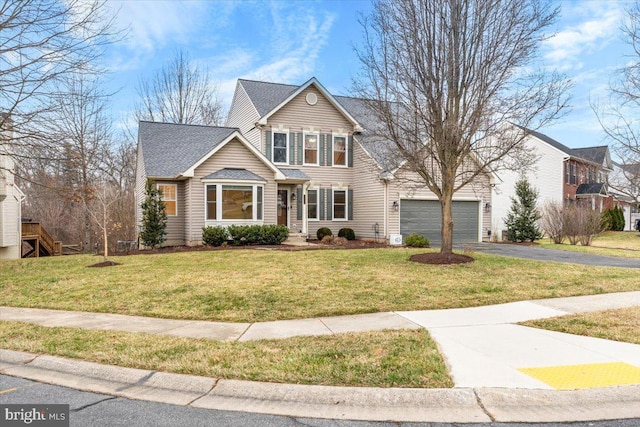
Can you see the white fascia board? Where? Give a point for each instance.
(313, 81)
(189, 173)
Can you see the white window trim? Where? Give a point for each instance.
(254, 202)
(304, 149)
(317, 190)
(273, 146)
(158, 184)
(346, 150)
(346, 204)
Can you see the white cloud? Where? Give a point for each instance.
(598, 28)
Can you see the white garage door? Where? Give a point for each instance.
(425, 217)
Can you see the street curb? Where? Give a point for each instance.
(457, 405)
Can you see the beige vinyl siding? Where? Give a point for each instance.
(243, 114)
(233, 155)
(323, 118)
(175, 224)
(253, 136)
(479, 190)
(141, 179)
(188, 207)
(368, 196)
(297, 114)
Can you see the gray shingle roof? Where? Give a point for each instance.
(235, 174)
(170, 149)
(592, 154)
(266, 96)
(591, 188)
(294, 173)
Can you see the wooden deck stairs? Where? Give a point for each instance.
(41, 243)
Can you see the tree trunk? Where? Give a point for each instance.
(447, 217)
(447, 227)
(104, 233)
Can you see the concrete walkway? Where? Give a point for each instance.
(502, 371)
(541, 254)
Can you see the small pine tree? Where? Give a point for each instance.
(154, 217)
(522, 219)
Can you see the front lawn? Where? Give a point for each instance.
(374, 359)
(623, 244)
(259, 285)
(619, 325)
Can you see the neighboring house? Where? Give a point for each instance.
(624, 187)
(10, 207)
(560, 173)
(296, 156)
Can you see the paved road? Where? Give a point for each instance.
(540, 254)
(91, 409)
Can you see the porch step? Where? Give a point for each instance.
(296, 239)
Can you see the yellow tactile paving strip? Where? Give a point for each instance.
(592, 375)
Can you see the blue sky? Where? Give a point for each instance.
(292, 41)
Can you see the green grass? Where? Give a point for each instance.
(376, 359)
(257, 285)
(623, 244)
(618, 325)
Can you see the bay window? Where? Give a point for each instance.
(234, 202)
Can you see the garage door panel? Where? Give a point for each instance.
(425, 217)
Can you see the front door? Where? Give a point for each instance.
(283, 207)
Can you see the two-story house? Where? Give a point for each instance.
(297, 156)
(560, 174)
(10, 203)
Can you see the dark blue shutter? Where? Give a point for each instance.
(292, 149)
(329, 150)
(299, 203)
(350, 203)
(299, 146)
(321, 149)
(321, 203)
(350, 151)
(267, 144)
(329, 204)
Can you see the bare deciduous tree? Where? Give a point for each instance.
(445, 78)
(42, 42)
(179, 93)
(618, 115)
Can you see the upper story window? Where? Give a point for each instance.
(170, 198)
(573, 177)
(280, 147)
(311, 142)
(566, 172)
(340, 151)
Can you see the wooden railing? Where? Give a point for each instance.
(42, 242)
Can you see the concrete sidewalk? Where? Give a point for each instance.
(502, 371)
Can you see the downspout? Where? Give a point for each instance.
(386, 209)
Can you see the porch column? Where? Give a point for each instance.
(305, 212)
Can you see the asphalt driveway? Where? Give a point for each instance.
(539, 254)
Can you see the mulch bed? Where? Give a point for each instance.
(438, 258)
(314, 245)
